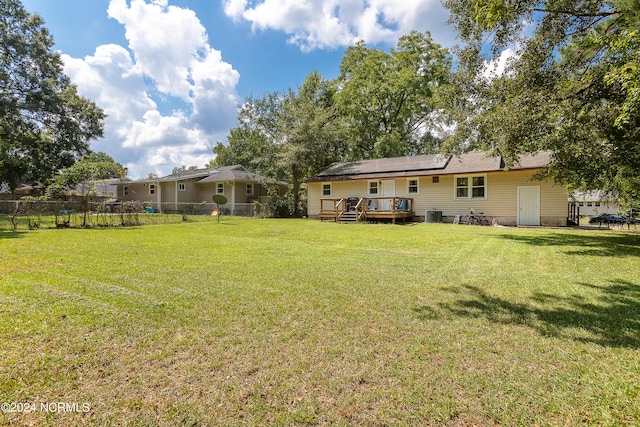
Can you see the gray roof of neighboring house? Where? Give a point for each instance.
(429, 164)
(221, 173)
(112, 181)
(593, 195)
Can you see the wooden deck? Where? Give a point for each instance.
(359, 209)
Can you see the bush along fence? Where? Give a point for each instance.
(80, 212)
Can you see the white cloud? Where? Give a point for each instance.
(497, 66)
(135, 85)
(214, 93)
(112, 80)
(234, 8)
(322, 24)
(164, 39)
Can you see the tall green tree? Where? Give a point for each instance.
(248, 146)
(44, 124)
(390, 99)
(314, 133)
(289, 136)
(182, 168)
(84, 174)
(573, 86)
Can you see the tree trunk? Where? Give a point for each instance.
(295, 175)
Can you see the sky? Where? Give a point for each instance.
(170, 74)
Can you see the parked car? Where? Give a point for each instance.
(612, 219)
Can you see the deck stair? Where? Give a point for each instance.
(348, 217)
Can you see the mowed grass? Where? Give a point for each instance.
(297, 322)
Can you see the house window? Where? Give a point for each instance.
(413, 186)
(182, 187)
(462, 188)
(326, 189)
(435, 179)
(152, 189)
(478, 187)
(471, 187)
(125, 190)
(373, 188)
(220, 188)
(249, 189)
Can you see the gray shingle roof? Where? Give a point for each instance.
(593, 195)
(235, 174)
(395, 164)
(430, 164)
(534, 161)
(192, 173)
(473, 162)
(221, 173)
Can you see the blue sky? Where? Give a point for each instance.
(170, 73)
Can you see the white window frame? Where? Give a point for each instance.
(371, 187)
(152, 189)
(125, 190)
(417, 186)
(469, 186)
(249, 189)
(324, 187)
(182, 186)
(220, 188)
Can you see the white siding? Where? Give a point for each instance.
(501, 196)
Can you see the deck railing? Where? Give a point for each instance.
(361, 210)
(573, 216)
(332, 208)
(367, 207)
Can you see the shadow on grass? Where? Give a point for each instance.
(612, 319)
(584, 243)
(11, 234)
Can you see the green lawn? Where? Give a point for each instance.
(297, 322)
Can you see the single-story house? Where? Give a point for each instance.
(99, 188)
(189, 187)
(439, 187)
(593, 203)
(31, 188)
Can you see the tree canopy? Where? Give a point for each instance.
(44, 124)
(179, 169)
(289, 135)
(573, 87)
(382, 104)
(390, 99)
(89, 169)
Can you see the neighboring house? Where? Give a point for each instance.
(440, 187)
(172, 192)
(31, 188)
(99, 188)
(593, 203)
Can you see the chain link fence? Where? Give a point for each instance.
(34, 214)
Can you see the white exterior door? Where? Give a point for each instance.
(529, 205)
(388, 190)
